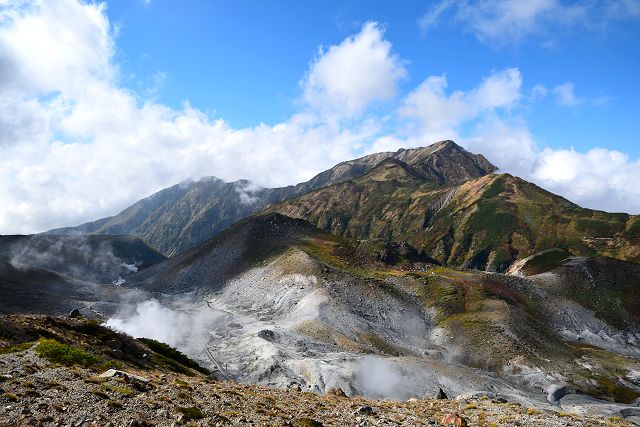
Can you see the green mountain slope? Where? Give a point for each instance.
(485, 223)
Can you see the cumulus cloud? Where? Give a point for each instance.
(439, 111)
(75, 145)
(600, 178)
(508, 21)
(347, 77)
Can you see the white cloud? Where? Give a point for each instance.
(438, 112)
(75, 146)
(348, 77)
(565, 95)
(509, 21)
(54, 46)
(599, 178)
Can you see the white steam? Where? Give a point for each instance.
(378, 378)
(86, 258)
(186, 331)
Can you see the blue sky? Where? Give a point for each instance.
(106, 102)
(244, 60)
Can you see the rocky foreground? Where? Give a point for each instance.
(74, 372)
(36, 392)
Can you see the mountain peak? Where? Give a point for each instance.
(446, 163)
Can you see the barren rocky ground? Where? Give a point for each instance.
(37, 392)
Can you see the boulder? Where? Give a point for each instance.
(441, 394)
(454, 420)
(75, 313)
(114, 373)
(268, 335)
(336, 391)
(364, 410)
(630, 412)
(294, 386)
(557, 392)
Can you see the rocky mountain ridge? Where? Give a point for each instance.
(485, 223)
(179, 218)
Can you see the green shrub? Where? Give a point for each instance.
(174, 355)
(191, 413)
(10, 396)
(63, 354)
(308, 422)
(15, 348)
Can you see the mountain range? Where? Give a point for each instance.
(439, 199)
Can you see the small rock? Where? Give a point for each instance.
(441, 394)
(454, 420)
(139, 423)
(295, 386)
(268, 335)
(114, 373)
(75, 313)
(556, 393)
(336, 391)
(364, 410)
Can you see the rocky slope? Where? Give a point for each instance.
(177, 219)
(155, 386)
